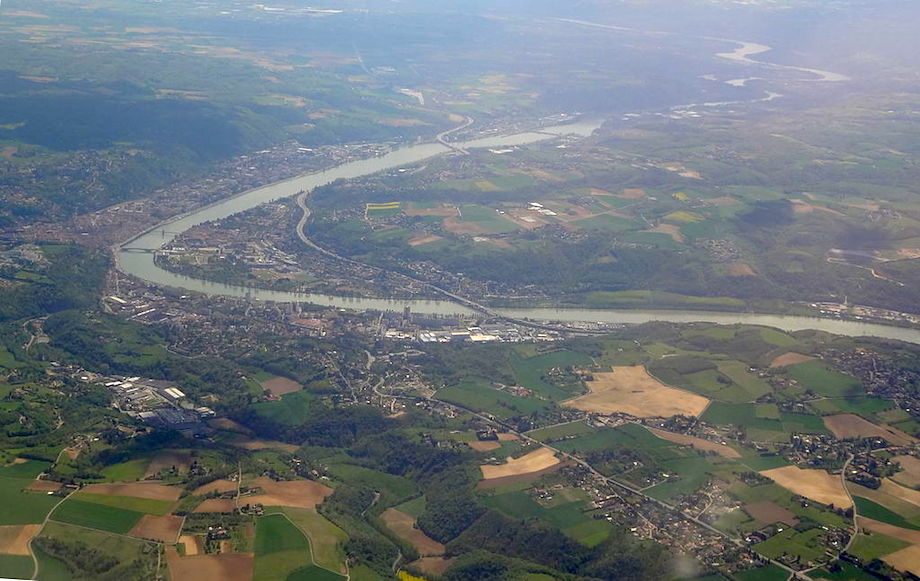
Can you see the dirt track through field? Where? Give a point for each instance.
(631, 390)
(532, 462)
(817, 485)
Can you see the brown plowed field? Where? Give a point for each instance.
(191, 544)
(907, 559)
(853, 426)
(136, 489)
(769, 512)
(403, 525)
(508, 437)
(281, 385)
(420, 240)
(223, 567)
(44, 486)
(485, 445)
(817, 485)
(252, 444)
(296, 493)
(159, 528)
(910, 475)
(698, 443)
(229, 425)
(631, 390)
(906, 535)
(217, 505)
(789, 359)
(216, 486)
(167, 459)
(14, 539)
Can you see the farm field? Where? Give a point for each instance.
(20, 507)
(803, 545)
(167, 459)
(561, 431)
(326, 539)
(697, 443)
(403, 525)
(280, 385)
(222, 567)
(96, 516)
(295, 493)
(127, 553)
(158, 528)
(633, 391)
(532, 462)
(910, 473)
(219, 505)
(478, 395)
(393, 489)
(280, 548)
(852, 426)
(817, 485)
(568, 515)
(132, 503)
(816, 377)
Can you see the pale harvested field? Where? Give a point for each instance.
(403, 525)
(790, 358)
(698, 443)
(898, 499)
(420, 240)
(136, 489)
(14, 539)
(167, 459)
(190, 544)
(517, 479)
(44, 486)
(853, 426)
(900, 492)
(531, 462)
(223, 567)
(508, 437)
(769, 512)
(632, 193)
(907, 559)
(671, 230)
(158, 528)
(281, 385)
(910, 475)
(433, 565)
(216, 486)
(485, 445)
(455, 226)
(906, 535)
(297, 493)
(740, 269)
(817, 485)
(216, 505)
(633, 391)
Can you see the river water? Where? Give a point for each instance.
(136, 259)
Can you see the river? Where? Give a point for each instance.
(136, 258)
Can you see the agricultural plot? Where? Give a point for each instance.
(572, 517)
(474, 219)
(295, 493)
(561, 431)
(697, 443)
(222, 567)
(291, 410)
(815, 376)
(633, 391)
(169, 459)
(22, 507)
(532, 371)
(17, 566)
(280, 549)
(535, 461)
(403, 525)
(164, 529)
(875, 545)
(869, 509)
(96, 516)
(131, 503)
(865, 406)
(134, 557)
(280, 385)
(817, 485)
(910, 470)
(480, 396)
(852, 426)
(803, 545)
(326, 539)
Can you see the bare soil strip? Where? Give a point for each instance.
(404, 526)
(532, 462)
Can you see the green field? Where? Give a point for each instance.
(873, 510)
(816, 377)
(875, 545)
(568, 516)
(392, 489)
(765, 573)
(487, 219)
(628, 435)
(864, 406)
(290, 410)
(28, 469)
(480, 396)
(280, 548)
(20, 507)
(145, 505)
(845, 572)
(126, 471)
(96, 516)
(16, 566)
(326, 539)
(313, 573)
(414, 507)
(560, 431)
(125, 550)
(529, 372)
(804, 545)
(752, 385)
